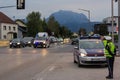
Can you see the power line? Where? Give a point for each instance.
(6, 7)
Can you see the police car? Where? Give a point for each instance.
(41, 42)
(89, 51)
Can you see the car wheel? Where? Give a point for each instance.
(78, 61)
(48, 46)
(44, 46)
(19, 46)
(34, 46)
(10, 46)
(23, 46)
(74, 58)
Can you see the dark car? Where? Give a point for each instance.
(89, 52)
(28, 41)
(16, 43)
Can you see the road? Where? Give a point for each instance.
(54, 63)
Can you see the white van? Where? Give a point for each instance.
(41, 40)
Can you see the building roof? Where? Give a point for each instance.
(20, 23)
(5, 19)
(21, 26)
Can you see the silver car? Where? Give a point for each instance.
(89, 52)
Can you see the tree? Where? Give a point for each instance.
(44, 25)
(34, 23)
(64, 32)
(82, 31)
(53, 26)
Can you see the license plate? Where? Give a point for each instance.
(96, 59)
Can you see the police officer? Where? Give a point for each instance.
(109, 53)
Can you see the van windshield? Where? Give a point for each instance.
(40, 38)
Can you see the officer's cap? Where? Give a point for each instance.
(107, 37)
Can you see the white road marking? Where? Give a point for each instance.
(52, 68)
(41, 79)
(44, 73)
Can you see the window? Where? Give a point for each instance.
(14, 28)
(4, 36)
(9, 28)
(4, 27)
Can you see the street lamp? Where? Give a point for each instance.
(88, 15)
(86, 11)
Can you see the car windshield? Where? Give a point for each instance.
(40, 38)
(16, 40)
(91, 44)
(27, 38)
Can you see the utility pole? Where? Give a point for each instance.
(112, 13)
(118, 26)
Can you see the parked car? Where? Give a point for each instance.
(53, 39)
(41, 42)
(89, 52)
(74, 41)
(16, 43)
(28, 41)
(60, 40)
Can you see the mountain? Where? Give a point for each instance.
(74, 21)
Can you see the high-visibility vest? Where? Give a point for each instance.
(111, 46)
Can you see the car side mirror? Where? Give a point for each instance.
(76, 47)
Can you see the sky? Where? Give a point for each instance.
(99, 9)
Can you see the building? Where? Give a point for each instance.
(22, 28)
(108, 21)
(101, 29)
(8, 28)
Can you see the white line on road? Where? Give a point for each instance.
(41, 79)
(52, 68)
(44, 73)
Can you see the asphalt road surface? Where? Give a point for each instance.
(54, 63)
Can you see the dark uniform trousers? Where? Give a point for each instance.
(110, 62)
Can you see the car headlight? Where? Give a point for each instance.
(44, 42)
(83, 54)
(18, 43)
(10, 43)
(34, 42)
(29, 42)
